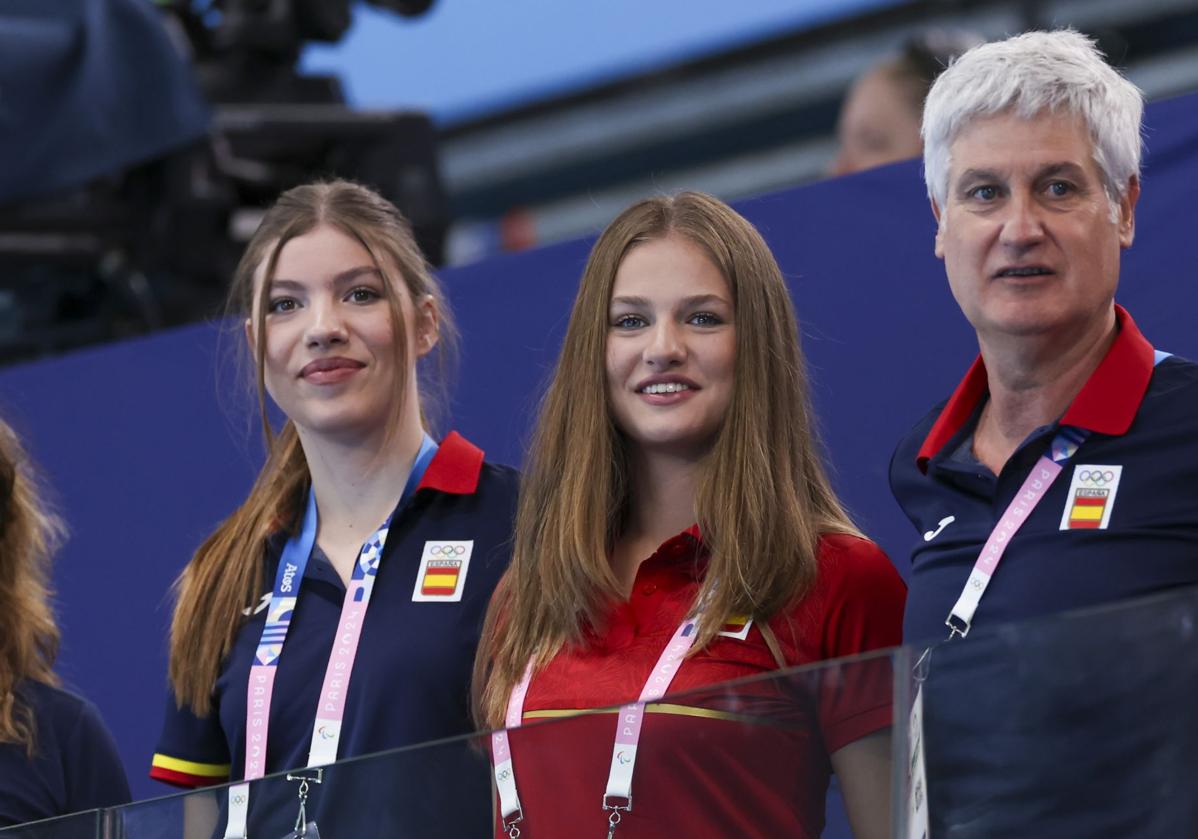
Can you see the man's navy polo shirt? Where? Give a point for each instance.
(1026, 731)
(411, 678)
(1140, 417)
(74, 767)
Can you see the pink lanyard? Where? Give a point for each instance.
(628, 735)
(1050, 465)
(330, 710)
(1064, 445)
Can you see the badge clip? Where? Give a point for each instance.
(301, 820)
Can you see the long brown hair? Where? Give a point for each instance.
(226, 574)
(763, 498)
(29, 535)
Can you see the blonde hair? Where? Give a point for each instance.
(29, 536)
(226, 574)
(763, 499)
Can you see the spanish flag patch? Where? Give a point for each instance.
(441, 576)
(1091, 497)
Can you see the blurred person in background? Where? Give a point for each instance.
(56, 756)
(880, 118)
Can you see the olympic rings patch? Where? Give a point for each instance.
(1095, 477)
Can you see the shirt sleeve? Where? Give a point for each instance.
(94, 774)
(862, 599)
(192, 750)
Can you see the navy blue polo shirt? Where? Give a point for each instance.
(1141, 418)
(74, 767)
(1050, 727)
(411, 678)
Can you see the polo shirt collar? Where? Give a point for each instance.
(455, 468)
(1106, 404)
(686, 550)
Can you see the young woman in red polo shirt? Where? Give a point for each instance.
(674, 483)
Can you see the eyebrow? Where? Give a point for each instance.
(343, 278)
(686, 302)
(1046, 171)
(971, 175)
(1062, 168)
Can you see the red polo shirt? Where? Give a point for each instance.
(745, 760)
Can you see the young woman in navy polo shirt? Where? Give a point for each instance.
(337, 610)
(56, 756)
(677, 529)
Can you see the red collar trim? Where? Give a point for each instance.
(1106, 404)
(455, 468)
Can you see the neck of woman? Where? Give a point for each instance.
(357, 482)
(661, 504)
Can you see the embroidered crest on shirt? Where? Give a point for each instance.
(1091, 497)
(442, 573)
(737, 627)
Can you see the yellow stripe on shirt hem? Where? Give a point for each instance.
(651, 708)
(202, 770)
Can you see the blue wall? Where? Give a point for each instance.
(145, 460)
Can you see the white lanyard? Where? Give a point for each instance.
(326, 730)
(618, 795)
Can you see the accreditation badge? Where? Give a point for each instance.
(441, 576)
(308, 831)
(1091, 497)
(918, 821)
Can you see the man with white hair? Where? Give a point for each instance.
(1063, 471)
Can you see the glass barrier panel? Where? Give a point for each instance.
(746, 758)
(1080, 725)
(86, 825)
(1075, 725)
(437, 789)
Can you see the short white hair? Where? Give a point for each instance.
(1060, 71)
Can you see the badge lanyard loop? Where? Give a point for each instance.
(326, 730)
(617, 797)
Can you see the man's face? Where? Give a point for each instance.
(1026, 232)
